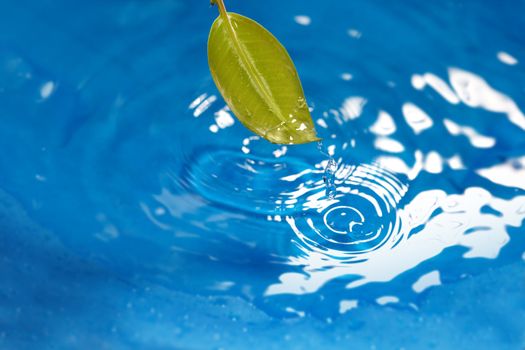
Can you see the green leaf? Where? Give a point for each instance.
(258, 80)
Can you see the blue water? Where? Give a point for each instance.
(137, 213)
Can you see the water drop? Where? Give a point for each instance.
(329, 173)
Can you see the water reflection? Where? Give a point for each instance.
(416, 118)
(475, 92)
(510, 173)
(460, 223)
(507, 58)
(370, 226)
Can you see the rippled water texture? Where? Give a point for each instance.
(137, 213)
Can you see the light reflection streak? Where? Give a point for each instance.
(426, 281)
(475, 92)
(389, 145)
(303, 20)
(384, 125)
(475, 138)
(416, 118)
(368, 232)
(507, 58)
(460, 213)
(387, 299)
(352, 107)
(419, 82)
(510, 173)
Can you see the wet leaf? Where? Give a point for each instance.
(258, 80)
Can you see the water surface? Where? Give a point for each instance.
(136, 211)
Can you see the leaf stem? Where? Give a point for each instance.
(223, 13)
(222, 8)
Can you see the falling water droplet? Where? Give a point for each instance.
(329, 173)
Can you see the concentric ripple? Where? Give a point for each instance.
(361, 217)
(256, 176)
(248, 182)
(335, 204)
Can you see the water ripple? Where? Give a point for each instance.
(360, 218)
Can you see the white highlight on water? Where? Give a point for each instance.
(384, 125)
(346, 76)
(459, 214)
(197, 101)
(322, 123)
(294, 311)
(510, 173)
(303, 20)
(352, 107)
(223, 118)
(388, 144)
(347, 305)
(416, 118)
(387, 299)
(476, 139)
(47, 89)
(426, 281)
(354, 33)
(475, 92)
(507, 58)
(202, 105)
(433, 163)
(439, 85)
